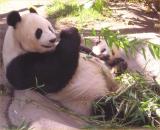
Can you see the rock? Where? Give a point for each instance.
(40, 113)
(4, 102)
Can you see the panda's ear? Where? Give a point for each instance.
(32, 10)
(13, 18)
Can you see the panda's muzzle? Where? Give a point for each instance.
(47, 46)
(51, 43)
(52, 40)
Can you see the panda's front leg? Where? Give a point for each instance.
(20, 72)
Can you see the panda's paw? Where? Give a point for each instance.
(119, 66)
(70, 33)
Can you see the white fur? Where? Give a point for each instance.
(24, 35)
(11, 48)
(97, 49)
(91, 80)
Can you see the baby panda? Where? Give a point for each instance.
(32, 56)
(116, 64)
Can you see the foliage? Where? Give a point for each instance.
(59, 9)
(137, 102)
(131, 47)
(81, 14)
(98, 5)
(140, 98)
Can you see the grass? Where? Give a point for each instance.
(137, 103)
(70, 11)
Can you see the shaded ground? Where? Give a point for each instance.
(129, 19)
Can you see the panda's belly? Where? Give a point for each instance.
(91, 80)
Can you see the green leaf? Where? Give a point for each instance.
(157, 53)
(88, 43)
(144, 53)
(93, 32)
(152, 51)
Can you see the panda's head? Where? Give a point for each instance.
(32, 32)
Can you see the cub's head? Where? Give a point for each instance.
(32, 32)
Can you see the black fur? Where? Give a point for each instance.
(118, 62)
(38, 33)
(32, 10)
(13, 18)
(54, 69)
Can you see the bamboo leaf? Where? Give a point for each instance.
(93, 32)
(144, 53)
(152, 51)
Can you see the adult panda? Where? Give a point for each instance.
(31, 53)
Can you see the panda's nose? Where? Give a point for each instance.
(52, 40)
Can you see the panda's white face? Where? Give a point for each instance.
(35, 34)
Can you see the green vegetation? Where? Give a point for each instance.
(138, 100)
(81, 14)
(130, 46)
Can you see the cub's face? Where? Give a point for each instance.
(33, 32)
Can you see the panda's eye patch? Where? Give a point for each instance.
(50, 29)
(38, 33)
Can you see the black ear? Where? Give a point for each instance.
(13, 18)
(32, 10)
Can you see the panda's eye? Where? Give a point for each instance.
(38, 33)
(50, 29)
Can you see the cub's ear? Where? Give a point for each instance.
(13, 18)
(32, 10)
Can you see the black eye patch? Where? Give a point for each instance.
(38, 33)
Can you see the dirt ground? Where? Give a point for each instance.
(130, 19)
